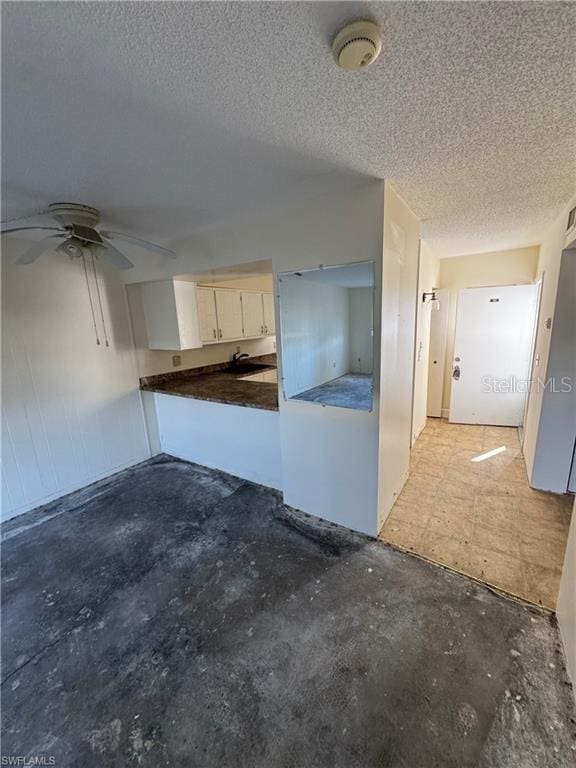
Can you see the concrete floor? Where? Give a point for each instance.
(353, 390)
(177, 616)
(481, 517)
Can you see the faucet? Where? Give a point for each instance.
(236, 357)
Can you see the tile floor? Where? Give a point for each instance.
(481, 518)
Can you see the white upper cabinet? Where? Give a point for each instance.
(207, 314)
(171, 315)
(252, 314)
(181, 315)
(229, 311)
(269, 316)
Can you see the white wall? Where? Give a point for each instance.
(242, 441)
(71, 410)
(474, 271)
(399, 284)
(566, 607)
(315, 332)
(548, 269)
(361, 309)
(428, 277)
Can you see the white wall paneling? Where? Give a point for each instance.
(399, 288)
(71, 409)
(242, 441)
(330, 463)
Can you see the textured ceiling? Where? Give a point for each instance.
(170, 116)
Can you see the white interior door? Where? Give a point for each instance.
(437, 354)
(493, 344)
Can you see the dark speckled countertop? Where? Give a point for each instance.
(218, 385)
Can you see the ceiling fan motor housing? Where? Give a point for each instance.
(68, 214)
(358, 45)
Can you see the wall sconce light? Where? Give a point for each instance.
(432, 298)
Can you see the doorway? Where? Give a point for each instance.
(468, 504)
(437, 355)
(492, 354)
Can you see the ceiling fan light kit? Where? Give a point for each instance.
(78, 232)
(357, 45)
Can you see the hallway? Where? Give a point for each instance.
(480, 517)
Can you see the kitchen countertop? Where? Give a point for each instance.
(217, 384)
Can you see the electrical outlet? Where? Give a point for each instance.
(176, 360)
(238, 349)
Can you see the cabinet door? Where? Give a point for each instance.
(187, 311)
(229, 312)
(252, 314)
(207, 314)
(161, 317)
(269, 317)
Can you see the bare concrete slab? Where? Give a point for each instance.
(353, 390)
(176, 616)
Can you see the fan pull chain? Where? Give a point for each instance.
(99, 298)
(90, 298)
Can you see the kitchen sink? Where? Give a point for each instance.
(248, 368)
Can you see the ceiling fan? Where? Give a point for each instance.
(77, 231)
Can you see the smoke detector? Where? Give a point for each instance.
(357, 45)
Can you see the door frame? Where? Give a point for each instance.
(438, 369)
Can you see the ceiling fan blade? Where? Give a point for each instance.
(38, 249)
(31, 229)
(112, 255)
(146, 244)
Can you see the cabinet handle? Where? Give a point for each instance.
(214, 332)
(266, 329)
(219, 333)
